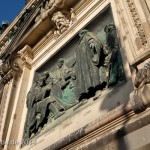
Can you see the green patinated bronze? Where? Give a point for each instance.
(95, 65)
(112, 62)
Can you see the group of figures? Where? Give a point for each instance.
(94, 67)
(98, 65)
(49, 96)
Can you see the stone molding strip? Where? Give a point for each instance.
(111, 124)
(115, 133)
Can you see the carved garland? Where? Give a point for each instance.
(8, 76)
(137, 22)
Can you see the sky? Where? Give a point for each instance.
(9, 9)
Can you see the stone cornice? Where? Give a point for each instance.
(10, 28)
(16, 35)
(14, 23)
(81, 20)
(110, 132)
(38, 29)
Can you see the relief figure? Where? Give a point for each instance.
(112, 67)
(92, 68)
(64, 78)
(88, 59)
(40, 105)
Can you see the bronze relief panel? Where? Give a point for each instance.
(86, 66)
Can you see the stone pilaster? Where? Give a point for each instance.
(13, 130)
(4, 106)
(10, 72)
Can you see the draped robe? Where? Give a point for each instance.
(87, 61)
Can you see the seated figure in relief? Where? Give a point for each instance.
(64, 82)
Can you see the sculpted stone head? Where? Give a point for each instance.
(60, 62)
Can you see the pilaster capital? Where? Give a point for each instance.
(8, 70)
(26, 56)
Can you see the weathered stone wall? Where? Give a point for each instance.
(114, 118)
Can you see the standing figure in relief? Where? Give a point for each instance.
(88, 57)
(113, 61)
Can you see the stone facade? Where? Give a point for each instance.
(75, 75)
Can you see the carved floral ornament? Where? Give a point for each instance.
(137, 22)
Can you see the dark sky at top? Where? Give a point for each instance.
(9, 9)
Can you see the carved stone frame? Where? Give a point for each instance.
(85, 13)
(136, 28)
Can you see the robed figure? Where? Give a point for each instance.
(113, 61)
(88, 56)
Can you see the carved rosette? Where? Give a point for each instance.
(137, 22)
